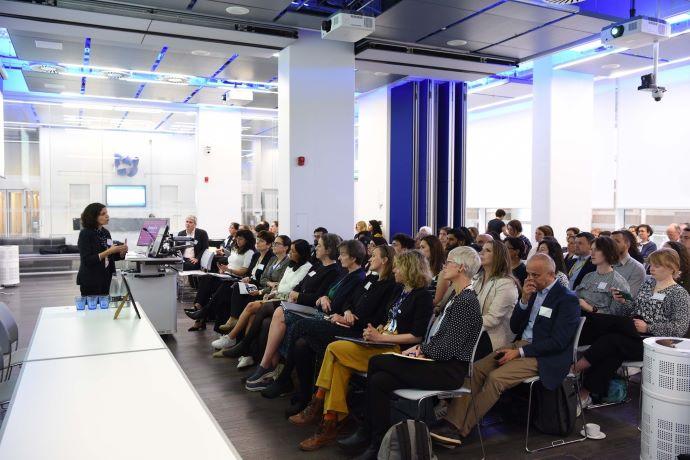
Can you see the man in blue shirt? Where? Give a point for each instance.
(545, 320)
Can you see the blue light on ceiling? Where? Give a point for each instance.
(154, 67)
(15, 78)
(86, 62)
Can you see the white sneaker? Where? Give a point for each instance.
(245, 361)
(223, 342)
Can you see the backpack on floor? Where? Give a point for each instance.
(555, 410)
(407, 440)
(618, 391)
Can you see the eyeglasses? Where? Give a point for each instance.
(277, 243)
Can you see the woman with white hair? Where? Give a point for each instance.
(443, 356)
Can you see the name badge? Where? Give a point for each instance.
(109, 242)
(260, 267)
(311, 273)
(658, 296)
(601, 286)
(545, 312)
(367, 286)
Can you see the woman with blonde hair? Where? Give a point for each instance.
(406, 322)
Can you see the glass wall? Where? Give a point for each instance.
(259, 169)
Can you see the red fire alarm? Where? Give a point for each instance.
(300, 161)
(205, 179)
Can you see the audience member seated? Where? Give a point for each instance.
(546, 321)
(250, 321)
(582, 263)
(497, 292)
(318, 288)
(685, 238)
(360, 226)
(273, 271)
(629, 259)
(482, 239)
(192, 255)
(633, 229)
(402, 243)
(375, 228)
(310, 337)
(318, 233)
(571, 231)
(514, 229)
(659, 309)
(448, 343)
(496, 225)
(539, 234)
(644, 232)
(262, 226)
(552, 248)
(596, 231)
(218, 305)
(683, 277)
(569, 253)
(274, 227)
(596, 289)
(225, 248)
(431, 247)
(407, 320)
(474, 232)
(423, 231)
(443, 236)
(673, 232)
(515, 248)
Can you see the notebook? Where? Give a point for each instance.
(367, 343)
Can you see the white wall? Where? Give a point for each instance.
(499, 157)
(371, 188)
(80, 162)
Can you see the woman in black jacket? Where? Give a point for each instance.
(310, 337)
(97, 252)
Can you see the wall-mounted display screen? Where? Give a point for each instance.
(125, 195)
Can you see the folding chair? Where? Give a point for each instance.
(421, 395)
(532, 380)
(9, 337)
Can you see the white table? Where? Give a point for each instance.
(64, 332)
(119, 406)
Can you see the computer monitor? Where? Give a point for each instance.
(149, 231)
(155, 247)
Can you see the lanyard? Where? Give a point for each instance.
(392, 325)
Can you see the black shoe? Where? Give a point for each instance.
(190, 310)
(197, 327)
(235, 352)
(357, 442)
(278, 388)
(445, 433)
(371, 453)
(197, 314)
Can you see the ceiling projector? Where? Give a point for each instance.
(635, 32)
(347, 27)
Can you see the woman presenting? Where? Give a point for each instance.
(97, 252)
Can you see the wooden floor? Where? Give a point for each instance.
(257, 427)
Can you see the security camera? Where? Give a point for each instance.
(648, 83)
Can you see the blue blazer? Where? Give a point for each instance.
(552, 338)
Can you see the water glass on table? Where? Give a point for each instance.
(80, 302)
(104, 302)
(92, 302)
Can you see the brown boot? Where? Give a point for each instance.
(326, 434)
(229, 326)
(311, 415)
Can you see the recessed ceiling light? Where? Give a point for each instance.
(48, 45)
(238, 10)
(381, 74)
(275, 54)
(47, 68)
(115, 74)
(610, 66)
(456, 42)
(201, 53)
(176, 79)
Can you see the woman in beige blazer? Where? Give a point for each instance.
(497, 292)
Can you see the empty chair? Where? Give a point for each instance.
(9, 339)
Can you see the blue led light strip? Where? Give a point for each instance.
(154, 67)
(191, 4)
(86, 61)
(167, 117)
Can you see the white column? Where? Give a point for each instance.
(563, 114)
(316, 120)
(218, 170)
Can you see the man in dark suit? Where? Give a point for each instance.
(545, 320)
(582, 263)
(192, 256)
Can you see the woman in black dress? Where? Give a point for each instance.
(97, 252)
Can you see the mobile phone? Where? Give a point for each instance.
(625, 295)
(498, 356)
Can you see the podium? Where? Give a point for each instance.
(153, 282)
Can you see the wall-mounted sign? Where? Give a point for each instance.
(126, 165)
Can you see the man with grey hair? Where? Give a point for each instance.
(673, 232)
(483, 239)
(545, 320)
(192, 255)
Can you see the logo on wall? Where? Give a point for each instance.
(126, 165)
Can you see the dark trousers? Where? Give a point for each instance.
(96, 287)
(206, 286)
(388, 373)
(606, 355)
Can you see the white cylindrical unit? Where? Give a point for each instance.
(665, 398)
(9, 265)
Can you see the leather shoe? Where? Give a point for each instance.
(356, 442)
(310, 415)
(371, 453)
(325, 435)
(198, 314)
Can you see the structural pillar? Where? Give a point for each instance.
(563, 114)
(316, 82)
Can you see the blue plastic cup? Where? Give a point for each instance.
(104, 301)
(92, 301)
(80, 302)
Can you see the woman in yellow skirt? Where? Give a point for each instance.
(405, 325)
